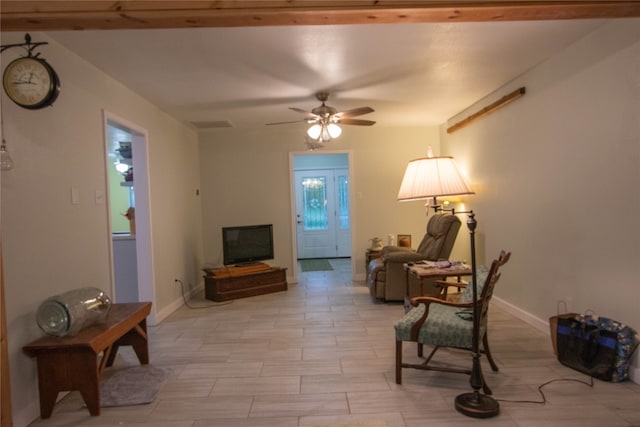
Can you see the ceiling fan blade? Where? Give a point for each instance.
(308, 114)
(358, 122)
(355, 112)
(284, 123)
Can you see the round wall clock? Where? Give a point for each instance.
(31, 82)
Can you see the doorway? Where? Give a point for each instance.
(322, 205)
(128, 194)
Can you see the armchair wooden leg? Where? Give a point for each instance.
(485, 345)
(420, 349)
(398, 362)
(485, 387)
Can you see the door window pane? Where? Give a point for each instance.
(343, 202)
(314, 199)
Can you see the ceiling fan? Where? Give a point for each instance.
(325, 119)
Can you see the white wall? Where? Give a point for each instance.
(245, 179)
(51, 246)
(557, 174)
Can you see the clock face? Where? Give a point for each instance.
(31, 82)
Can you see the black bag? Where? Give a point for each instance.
(587, 348)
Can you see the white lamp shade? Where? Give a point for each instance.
(432, 177)
(334, 130)
(314, 131)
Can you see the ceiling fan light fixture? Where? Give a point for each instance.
(121, 167)
(324, 132)
(324, 135)
(334, 130)
(314, 131)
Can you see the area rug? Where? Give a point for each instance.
(320, 264)
(137, 385)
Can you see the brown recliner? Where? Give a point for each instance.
(386, 278)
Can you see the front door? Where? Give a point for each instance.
(322, 213)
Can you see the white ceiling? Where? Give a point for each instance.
(409, 73)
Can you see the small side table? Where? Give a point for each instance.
(73, 362)
(425, 271)
(369, 256)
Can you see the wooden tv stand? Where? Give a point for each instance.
(223, 284)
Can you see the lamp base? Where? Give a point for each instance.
(477, 405)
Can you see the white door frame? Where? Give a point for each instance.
(144, 248)
(292, 200)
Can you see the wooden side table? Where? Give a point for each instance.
(72, 363)
(369, 256)
(423, 271)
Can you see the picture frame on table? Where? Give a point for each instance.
(404, 240)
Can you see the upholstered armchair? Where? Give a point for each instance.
(439, 323)
(386, 277)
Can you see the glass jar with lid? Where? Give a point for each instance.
(67, 313)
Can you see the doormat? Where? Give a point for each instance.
(320, 264)
(137, 385)
(356, 424)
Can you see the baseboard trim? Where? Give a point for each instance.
(176, 304)
(360, 277)
(536, 322)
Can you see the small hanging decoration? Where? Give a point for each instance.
(6, 162)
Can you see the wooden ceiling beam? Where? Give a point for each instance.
(52, 15)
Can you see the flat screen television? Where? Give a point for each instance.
(247, 244)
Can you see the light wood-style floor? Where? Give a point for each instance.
(323, 352)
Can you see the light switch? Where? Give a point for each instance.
(75, 196)
(99, 197)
